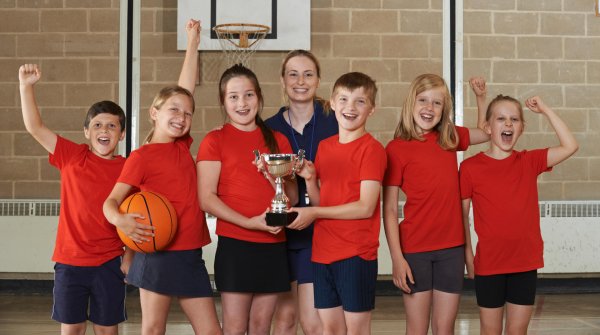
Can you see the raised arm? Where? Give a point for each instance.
(479, 87)
(189, 69)
(29, 74)
(568, 144)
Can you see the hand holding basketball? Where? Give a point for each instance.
(154, 222)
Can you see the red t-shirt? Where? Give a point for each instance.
(169, 169)
(428, 176)
(241, 186)
(84, 236)
(505, 210)
(341, 168)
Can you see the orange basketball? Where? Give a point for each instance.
(157, 212)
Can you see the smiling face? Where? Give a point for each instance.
(173, 119)
(241, 103)
(428, 109)
(352, 108)
(300, 79)
(104, 133)
(504, 126)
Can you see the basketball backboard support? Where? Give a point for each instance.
(289, 21)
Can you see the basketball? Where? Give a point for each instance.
(157, 212)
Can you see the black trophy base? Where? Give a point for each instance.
(280, 219)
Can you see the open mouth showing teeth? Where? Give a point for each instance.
(427, 117)
(103, 140)
(349, 116)
(506, 136)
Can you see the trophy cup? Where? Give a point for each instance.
(279, 166)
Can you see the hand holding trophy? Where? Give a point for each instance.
(279, 166)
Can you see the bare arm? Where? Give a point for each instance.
(360, 209)
(208, 181)
(138, 232)
(479, 87)
(568, 144)
(189, 69)
(401, 272)
(29, 74)
(469, 256)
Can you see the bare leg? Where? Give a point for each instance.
(155, 310)
(491, 320)
(202, 315)
(285, 320)
(236, 312)
(358, 323)
(106, 330)
(261, 313)
(418, 309)
(444, 311)
(72, 329)
(309, 317)
(517, 318)
(334, 322)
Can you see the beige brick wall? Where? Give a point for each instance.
(547, 47)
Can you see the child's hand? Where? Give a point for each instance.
(536, 105)
(478, 86)
(308, 171)
(29, 74)
(126, 261)
(259, 223)
(193, 29)
(136, 231)
(306, 216)
(402, 274)
(260, 167)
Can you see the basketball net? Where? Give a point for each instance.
(239, 41)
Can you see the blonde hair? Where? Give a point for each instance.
(161, 97)
(407, 128)
(499, 98)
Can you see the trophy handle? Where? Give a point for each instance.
(256, 155)
(299, 162)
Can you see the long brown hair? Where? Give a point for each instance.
(314, 60)
(407, 129)
(238, 70)
(161, 97)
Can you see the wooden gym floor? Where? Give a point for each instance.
(574, 314)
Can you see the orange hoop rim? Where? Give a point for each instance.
(229, 28)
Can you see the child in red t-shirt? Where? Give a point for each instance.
(343, 186)
(251, 261)
(502, 183)
(427, 247)
(89, 280)
(164, 165)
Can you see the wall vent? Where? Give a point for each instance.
(29, 207)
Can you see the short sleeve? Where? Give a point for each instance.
(466, 186)
(374, 163)
(133, 171)
(64, 151)
(464, 139)
(210, 148)
(395, 167)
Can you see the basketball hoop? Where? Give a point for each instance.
(239, 41)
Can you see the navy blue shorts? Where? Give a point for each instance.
(349, 283)
(516, 288)
(175, 273)
(301, 267)
(441, 270)
(99, 289)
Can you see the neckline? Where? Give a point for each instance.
(312, 138)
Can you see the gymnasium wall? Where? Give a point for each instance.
(546, 47)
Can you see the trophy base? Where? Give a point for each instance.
(280, 219)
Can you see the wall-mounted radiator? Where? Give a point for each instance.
(571, 232)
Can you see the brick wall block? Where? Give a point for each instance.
(355, 4)
(563, 24)
(36, 45)
(37, 190)
(380, 70)
(26, 145)
(372, 21)
(562, 72)
(90, 45)
(492, 47)
(405, 46)
(9, 46)
(104, 70)
(515, 23)
(594, 168)
(539, 48)
(477, 22)
(19, 21)
(404, 4)
(551, 94)
(61, 70)
(573, 169)
(582, 190)
(584, 96)
(64, 21)
(87, 94)
(582, 48)
(105, 20)
(18, 169)
(410, 69)
(356, 46)
(489, 5)
(327, 20)
(543, 5)
(515, 71)
(421, 22)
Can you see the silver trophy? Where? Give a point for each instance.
(279, 166)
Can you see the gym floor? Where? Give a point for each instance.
(573, 314)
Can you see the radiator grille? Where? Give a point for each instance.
(548, 209)
(29, 207)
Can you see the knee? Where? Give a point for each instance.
(311, 327)
(154, 330)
